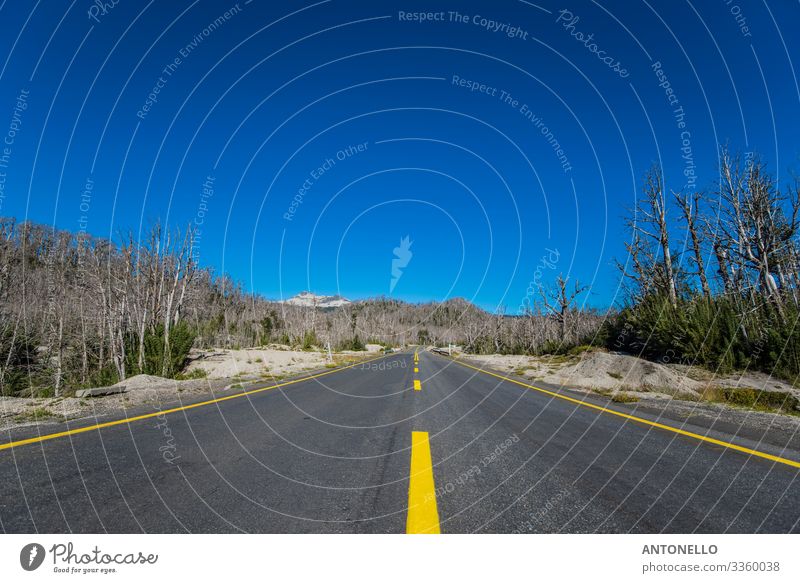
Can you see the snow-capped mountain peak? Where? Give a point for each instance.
(310, 300)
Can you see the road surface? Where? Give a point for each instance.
(394, 446)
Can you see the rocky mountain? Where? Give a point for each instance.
(309, 299)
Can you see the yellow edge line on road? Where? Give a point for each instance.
(417, 385)
(423, 516)
(641, 420)
(50, 436)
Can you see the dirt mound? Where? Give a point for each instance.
(615, 371)
(143, 381)
(254, 362)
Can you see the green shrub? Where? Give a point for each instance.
(35, 414)
(624, 398)
(721, 334)
(20, 366)
(156, 362)
(354, 343)
(753, 399)
(103, 377)
(197, 373)
(310, 340)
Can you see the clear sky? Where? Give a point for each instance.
(305, 140)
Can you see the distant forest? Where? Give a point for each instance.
(80, 311)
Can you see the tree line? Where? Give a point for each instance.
(712, 277)
(78, 311)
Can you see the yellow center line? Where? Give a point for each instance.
(416, 369)
(423, 516)
(641, 420)
(50, 436)
(417, 385)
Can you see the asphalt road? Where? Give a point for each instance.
(334, 454)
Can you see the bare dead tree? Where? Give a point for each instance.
(762, 234)
(651, 221)
(690, 209)
(559, 302)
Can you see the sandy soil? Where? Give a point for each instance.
(225, 370)
(273, 360)
(142, 390)
(670, 390)
(602, 370)
(270, 361)
(620, 372)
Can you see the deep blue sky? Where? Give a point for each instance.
(267, 97)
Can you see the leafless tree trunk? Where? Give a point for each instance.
(763, 235)
(559, 303)
(654, 225)
(690, 207)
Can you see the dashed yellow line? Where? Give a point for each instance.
(417, 385)
(416, 369)
(88, 428)
(704, 438)
(423, 515)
